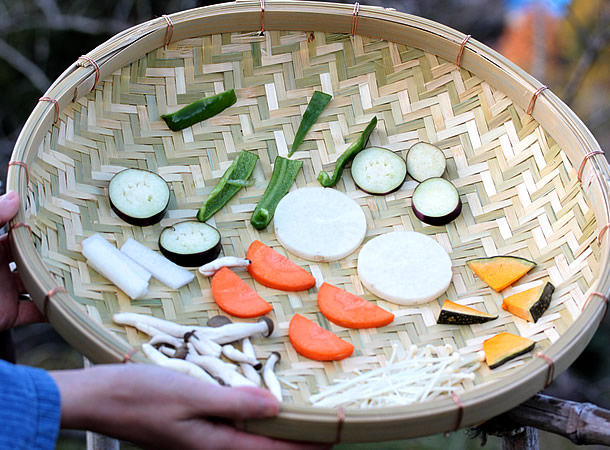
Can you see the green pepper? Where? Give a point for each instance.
(284, 173)
(200, 110)
(235, 177)
(358, 145)
(319, 101)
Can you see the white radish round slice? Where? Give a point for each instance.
(319, 224)
(404, 267)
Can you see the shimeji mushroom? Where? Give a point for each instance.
(225, 372)
(211, 268)
(240, 357)
(271, 381)
(249, 371)
(179, 365)
(236, 331)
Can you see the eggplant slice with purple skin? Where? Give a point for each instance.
(190, 244)
(436, 201)
(139, 197)
(378, 171)
(425, 161)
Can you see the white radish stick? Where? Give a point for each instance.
(106, 259)
(167, 272)
(178, 365)
(141, 271)
(249, 371)
(227, 373)
(211, 268)
(240, 357)
(135, 320)
(271, 381)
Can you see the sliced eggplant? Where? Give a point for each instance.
(436, 201)
(139, 197)
(378, 171)
(191, 243)
(425, 161)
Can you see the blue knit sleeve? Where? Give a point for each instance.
(30, 408)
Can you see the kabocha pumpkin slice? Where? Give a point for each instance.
(505, 346)
(314, 342)
(499, 272)
(348, 310)
(531, 303)
(234, 296)
(274, 270)
(455, 314)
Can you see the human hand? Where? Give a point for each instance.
(13, 312)
(155, 407)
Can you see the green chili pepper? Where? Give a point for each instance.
(319, 101)
(200, 110)
(327, 180)
(231, 182)
(284, 173)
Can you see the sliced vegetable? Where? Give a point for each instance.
(234, 296)
(456, 314)
(285, 171)
(200, 110)
(139, 197)
(314, 342)
(167, 272)
(348, 310)
(358, 145)
(211, 268)
(499, 272)
(319, 101)
(190, 243)
(425, 161)
(436, 201)
(378, 171)
(505, 346)
(531, 303)
(274, 270)
(319, 224)
(106, 259)
(235, 177)
(404, 267)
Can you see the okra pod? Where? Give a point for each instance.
(319, 101)
(200, 110)
(358, 145)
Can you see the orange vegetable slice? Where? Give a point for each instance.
(274, 270)
(455, 314)
(505, 346)
(531, 303)
(349, 310)
(314, 342)
(499, 272)
(234, 296)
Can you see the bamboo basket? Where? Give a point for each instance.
(526, 168)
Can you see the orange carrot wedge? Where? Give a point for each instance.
(349, 310)
(234, 296)
(274, 270)
(314, 342)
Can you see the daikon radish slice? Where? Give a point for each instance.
(319, 224)
(108, 260)
(404, 267)
(167, 272)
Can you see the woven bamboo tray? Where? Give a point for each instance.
(527, 171)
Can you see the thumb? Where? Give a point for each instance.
(9, 205)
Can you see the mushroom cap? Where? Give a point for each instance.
(270, 325)
(218, 321)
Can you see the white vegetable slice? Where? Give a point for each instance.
(404, 267)
(378, 171)
(319, 224)
(167, 272)
(106, 259)
(425, 161)
(436, 201)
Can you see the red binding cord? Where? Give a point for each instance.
(127, 356)
(601, 233)
(21, 164)
(530, 108)
(584, 160)
(19, 224)
(458, 60)
(603, 297)
(551, 369)
(169, 32)
(355, 17)
(340, 422)
(95, 66)
(55, 103)
(262, 32)
(47, 299)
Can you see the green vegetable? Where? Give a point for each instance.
(231, 182)
(200, 110)
(358, 145)
(319, 101)
(284, 173)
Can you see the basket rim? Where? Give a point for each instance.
(79, 79)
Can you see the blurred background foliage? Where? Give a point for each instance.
(563, 43)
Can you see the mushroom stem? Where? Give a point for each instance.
(205, 346)
(211, 268)
(236, 331)
(273, 384)
(142, 320)
(240, 357)
(178, 365)
(227, 373)
(249, 371)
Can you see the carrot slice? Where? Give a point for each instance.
(314, 342)
(234, 296)
(274, 270)
(348, 310)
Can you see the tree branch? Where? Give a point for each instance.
(23, 65)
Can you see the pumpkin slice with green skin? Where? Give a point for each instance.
(531, 303)
(499, 272)
(455, 314)
(505, 346)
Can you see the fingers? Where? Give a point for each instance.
(236, 403)
(9, 205)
